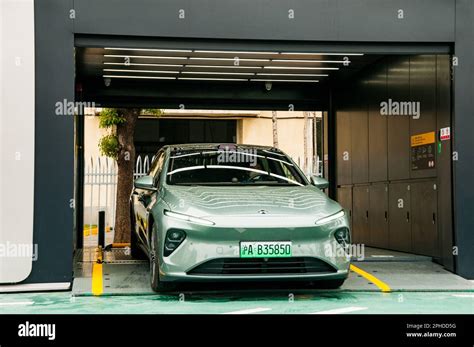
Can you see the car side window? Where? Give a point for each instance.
(157, 167)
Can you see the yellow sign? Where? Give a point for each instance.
(423, 139)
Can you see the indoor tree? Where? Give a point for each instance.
(275, 128)
(119, 145)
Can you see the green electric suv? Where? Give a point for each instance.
(227, 212)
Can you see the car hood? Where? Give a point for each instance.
(208, 201)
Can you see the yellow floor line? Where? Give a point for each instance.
(97, 286)
(384, 287)
(97, 281)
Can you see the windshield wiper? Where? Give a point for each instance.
(236, 184)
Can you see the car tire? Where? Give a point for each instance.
(328, 284)
(156, 284)
(333, 284)
(135, 251)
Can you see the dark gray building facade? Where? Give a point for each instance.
(366, 26)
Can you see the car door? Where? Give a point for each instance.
(143, 199)
(148, 198)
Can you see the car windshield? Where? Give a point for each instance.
(232, 166)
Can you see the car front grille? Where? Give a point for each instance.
(262, 266)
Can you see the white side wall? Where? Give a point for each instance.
(17, 138)
(258, 131)
(99, 193)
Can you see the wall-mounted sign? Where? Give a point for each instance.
(423, 139)
(445, 134)
(423, 151)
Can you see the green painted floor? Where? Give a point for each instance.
(281, 302)
(418, 286)
(402, 272)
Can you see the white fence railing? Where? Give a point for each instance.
(100, 187)
(142, 165)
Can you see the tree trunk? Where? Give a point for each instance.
(315, 144)
(275, 129)
(125, 164)
(305, 142)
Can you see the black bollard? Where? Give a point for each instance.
(101, 229)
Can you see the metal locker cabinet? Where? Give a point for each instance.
(424, 218)
(423, 90)
(378, 215)
(398, 132)
(399, 229)
(360, 135)
(444, 179)
(377, 124)
(344, 198)
(343, 146)
(360, 217)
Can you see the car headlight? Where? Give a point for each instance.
(330, 218)
(187, 218)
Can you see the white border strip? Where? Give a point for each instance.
(17, 303)
(34, 287)
(250, 310)
(342, 310)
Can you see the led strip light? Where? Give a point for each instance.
(227, 52)
(265, 70)
(205, 78)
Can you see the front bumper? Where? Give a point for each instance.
(222, 241)
(180, 277)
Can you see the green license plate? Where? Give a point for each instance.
(265, 249)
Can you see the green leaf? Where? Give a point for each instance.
(109, 146)
(109, 117)
(151, 112)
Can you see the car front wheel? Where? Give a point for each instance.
(135, 251)
(156, 284)
(328, 284)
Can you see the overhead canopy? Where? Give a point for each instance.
(212, 78)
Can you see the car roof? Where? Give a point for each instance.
(216, 146)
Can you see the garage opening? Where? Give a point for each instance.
(299, 134)
(379, 124)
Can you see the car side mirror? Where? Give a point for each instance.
(144, 182)
(319, 182)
